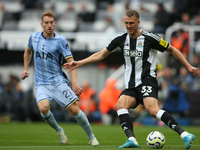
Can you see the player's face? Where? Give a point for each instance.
(131, 24)
(48, 24)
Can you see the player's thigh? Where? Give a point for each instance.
(64, 95)
(43, 97)
(126, 102)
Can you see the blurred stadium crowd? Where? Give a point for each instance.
(179, 90)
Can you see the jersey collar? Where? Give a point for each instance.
(46, 38)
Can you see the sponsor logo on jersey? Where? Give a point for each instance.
(163, 43)
(132, 53)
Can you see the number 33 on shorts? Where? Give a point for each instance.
(146, 90)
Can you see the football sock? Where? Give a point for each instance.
(184, 134)
(134, 140)
(169, 121)
(49, 118)
(84, 123)
(126, 122)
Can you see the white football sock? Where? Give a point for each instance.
(134, 139)
(185, 133)
(49, 118)
(84, 123)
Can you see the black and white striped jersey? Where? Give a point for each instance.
(140, 55)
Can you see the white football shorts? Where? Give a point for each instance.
(62, 93)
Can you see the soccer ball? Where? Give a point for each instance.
(155, 140)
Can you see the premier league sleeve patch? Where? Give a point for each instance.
(163, 43)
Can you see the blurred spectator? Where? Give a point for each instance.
(180, 6)
(84, 15)
(161, 19)
(181, 42)
(110, 28)
(108, 99)
(102, 4)
(57, 15)
(185, 19)
(196, 61)
(184, 79)
(197, 20)
(87, 102)
(127, 7)
(196, 79)
(7, 15)
(8, 99)
(16, 88)
(29, 4)
(70, 7)
(110, 12)
(2, 11)
(166, 78)
(176, 101)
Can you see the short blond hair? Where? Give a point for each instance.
(49, 14)
(131, 13)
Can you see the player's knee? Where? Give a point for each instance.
(119, 105)
(43, 110)
(152, 111)
(73, 110)
(44, 106)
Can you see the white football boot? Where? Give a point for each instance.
(93, 141)
(62, 137)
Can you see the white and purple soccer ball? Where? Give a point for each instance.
(155, 140)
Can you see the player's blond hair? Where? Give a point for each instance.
(49, 14)
(131, 13)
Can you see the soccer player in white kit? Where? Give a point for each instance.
(51, 83)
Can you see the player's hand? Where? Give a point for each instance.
(193, 70)
(77, 89)
(71, 65)
(24, 75)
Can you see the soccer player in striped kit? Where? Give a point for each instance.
(51, 83)
(139, 49)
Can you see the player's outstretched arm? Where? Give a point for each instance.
(27, 59)
(178, 55)
(98, 56)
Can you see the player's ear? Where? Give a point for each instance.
(138, 21)
(41, 24)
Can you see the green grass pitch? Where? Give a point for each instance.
(40, 136)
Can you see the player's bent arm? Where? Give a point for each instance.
(27, 57)
(178, 55)
(76, 88)
(74, 72)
